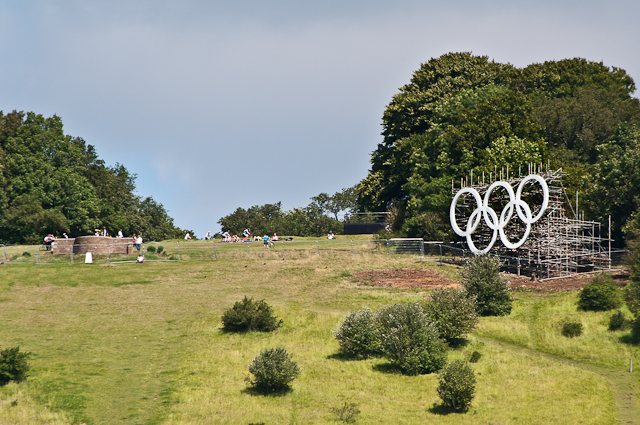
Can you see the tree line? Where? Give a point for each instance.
(462, 113)
(55, 183)
(316, 219)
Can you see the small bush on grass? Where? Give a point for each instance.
(410, 340)
(601, 294)
(151, 249)
(481, 279)
(618, 321)
(347, 412)
(13, 365)
(358, 334)
(457, 385)
(632, 297)
(249, 315)
(272, 370)
(160, 249)
(572, 329)
(26, 254)
(452, 311)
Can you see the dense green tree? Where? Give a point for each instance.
(612, 188)
(345, 200)
(53, 183)
(269, 219)
(462, 113)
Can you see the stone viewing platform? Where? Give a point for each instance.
(93, 244)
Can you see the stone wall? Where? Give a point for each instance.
(93, 244)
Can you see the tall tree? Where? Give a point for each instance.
(462, 113)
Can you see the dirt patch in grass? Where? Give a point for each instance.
(575, 283)
(429, 279)
(404, 278)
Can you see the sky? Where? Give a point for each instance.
(217, 105)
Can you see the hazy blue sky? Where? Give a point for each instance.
(218, 105)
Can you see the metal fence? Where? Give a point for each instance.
(207, 250)
(277, 250)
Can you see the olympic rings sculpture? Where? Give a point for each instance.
(491, 218)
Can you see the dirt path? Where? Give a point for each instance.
(624, 385)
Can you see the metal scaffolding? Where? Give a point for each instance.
(560, 244)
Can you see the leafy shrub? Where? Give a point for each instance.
(457, 385)
(409, 339)
(572, 329)
(26, 254)
(481, 278)
(347, 412)
(151, 249)
(13, 365)
(475, 357)
(618, 321)
(160, 249)
(173, 258)
(632, 297)
(273, 370)
(452, 311)
(248, 315)
(601, 294)
(358, 334)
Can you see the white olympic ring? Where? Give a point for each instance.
(495, 223)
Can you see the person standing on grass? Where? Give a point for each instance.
(139, 241)
(266, 241)
(120, 234)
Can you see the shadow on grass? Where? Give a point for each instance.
(443, 410)
(344, 357)
(628, 339)
(456, 343)
(267, 392)
(389, 368)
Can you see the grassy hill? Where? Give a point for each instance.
(141, 344)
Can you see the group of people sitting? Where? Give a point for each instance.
(248, 237)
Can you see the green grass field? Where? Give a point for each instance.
(141, 344)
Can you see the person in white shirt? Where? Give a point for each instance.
(187, 236)
(120, 234)
(139, 241)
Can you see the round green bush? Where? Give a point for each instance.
(160, 249)
(151, 249)
(13, 365)
(481, 279)
(26, 254)
(618, 321)
(453, 312)
(249, 315)
(273, 370)
(572, 329)
(457, 385)
(601, 294)
(358, 334)
(410, 340)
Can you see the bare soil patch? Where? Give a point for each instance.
(429, 279)
(404, 278)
